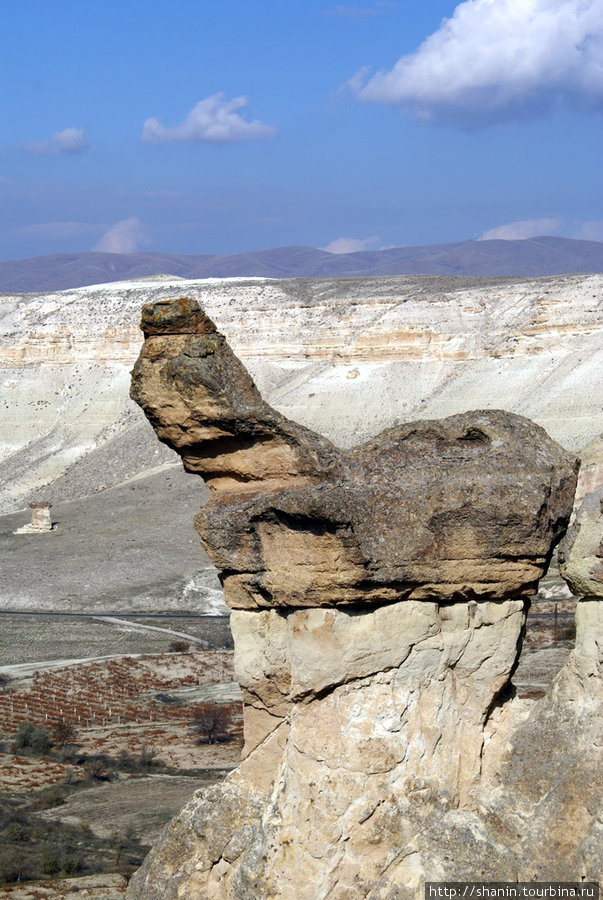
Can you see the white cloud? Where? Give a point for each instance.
(496, 59)
(69, 140)
(590, 231)
(213, 119)
(123, 237)
(519, 231)
(352, 245)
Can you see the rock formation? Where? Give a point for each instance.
(581, 554)
(378, 598)
(41, 521)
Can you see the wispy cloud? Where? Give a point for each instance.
(591, 231)
(352, 245)
(69, 140)
(522, 229)
(125, 236)
(214, 119)
(498, 59)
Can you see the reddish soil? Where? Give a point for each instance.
(120, 705)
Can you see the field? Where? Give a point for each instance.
(107, 727)
(41, 637)
(109, 723)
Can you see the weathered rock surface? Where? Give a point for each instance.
(581, 553)
(464, 508)
(590, 476)
(392, 780)
(378, 602)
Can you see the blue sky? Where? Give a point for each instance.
(224, 126)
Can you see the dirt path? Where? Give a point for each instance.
(138, 626)
(27, 670)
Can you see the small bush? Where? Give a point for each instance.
(212, 723)
(40, 741)
(71, 865)
(64, 733)
(126, 761)
(148, 757)
(70, 753)
(16, 832)
(179, 646)
(95, 767)
(50, 862)
(49, 798)
(12, 866)
(28, 737)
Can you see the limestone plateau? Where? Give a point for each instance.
(378, 599)
(346, 357)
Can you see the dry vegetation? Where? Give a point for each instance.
(96, 757)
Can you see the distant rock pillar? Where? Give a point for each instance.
(40, 516)
(40, 519)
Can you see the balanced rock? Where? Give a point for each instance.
(378, 600)
(458, 509)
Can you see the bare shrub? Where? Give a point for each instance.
(148, 757)
(96, 768)
(13, 865)
(64, 733)
(179, 646)
(212, 723)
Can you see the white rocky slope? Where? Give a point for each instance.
(344, 356)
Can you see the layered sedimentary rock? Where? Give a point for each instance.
(347, 357)
(378, 599)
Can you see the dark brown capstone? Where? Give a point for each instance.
(179, 316)
(468, 507)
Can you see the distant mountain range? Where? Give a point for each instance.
(534, 257)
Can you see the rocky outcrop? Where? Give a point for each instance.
(378, 600)
(590, 476)
(455, 510)
(581, 553)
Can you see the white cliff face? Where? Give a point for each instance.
(346, 357)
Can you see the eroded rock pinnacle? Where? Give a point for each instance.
(378, 599)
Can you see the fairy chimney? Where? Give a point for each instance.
(40, 515)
